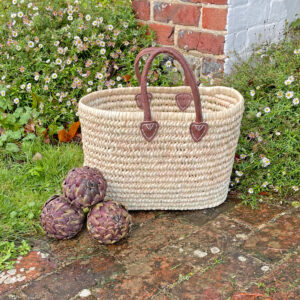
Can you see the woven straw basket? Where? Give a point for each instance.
(175, 157)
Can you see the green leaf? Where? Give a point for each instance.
(36, 100)
(30, 216)
(11, 147)
(29, 137)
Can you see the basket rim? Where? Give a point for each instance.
(84, 106)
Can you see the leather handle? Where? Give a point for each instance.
(149, 128)
(137, 60)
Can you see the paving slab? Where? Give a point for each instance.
(70, 280)
(256, 217)
(221, 253)
(283, 282)
(220, 278)
(26, 269)
(276, 239)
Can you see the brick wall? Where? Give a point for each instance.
(197, 28)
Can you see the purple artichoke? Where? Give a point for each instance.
(60, 219)
(84, 187)
(108, 222)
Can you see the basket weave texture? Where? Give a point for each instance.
(171, 172)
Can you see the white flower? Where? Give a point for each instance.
(277, 133)
(70, 18)
(14, 1)
(267, 110)
(54, 75)
(297, 51)
(47, 61)
(56, 43)
(265, 161)
(20, 14)
(58, 61)
(291, 78)
(120, 85)
(13, 15)
(68, 103)
(88, 90)
(252, 93)
(102, 51)
(289, 94)
(69, 61)
(22, 86)
(295, 188)
(16, 100)
(14, 33)
(102, 44)
(30, 44)
(36, 77)
(243, 156)
(258, 114)
(260, 139)
(239, 173)
(45, 87)
(168, 63)
(237, 180)
(250, 191)
(279, 94)
(2, 93)
(295, 101)
(125, 24)
(90, 82)
(287, 82)
(265, 184)
(110, 27)
(28, 87)
(87, 17)
(41, 46)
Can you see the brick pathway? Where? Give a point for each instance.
(217, 253)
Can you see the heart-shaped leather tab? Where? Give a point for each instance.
(198, 130)
(138, 99)
(149, 130)
(183, 100)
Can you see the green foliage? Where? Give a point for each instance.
(9, 252)
(53, 53)
(268, 163)
(25, 185)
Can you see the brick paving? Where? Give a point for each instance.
(228, 252)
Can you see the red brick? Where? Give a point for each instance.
(26, 269)
(141, 9)
(203, 42)
(214, 18)
(179, 14)
(164, 34)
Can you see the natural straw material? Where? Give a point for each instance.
(172, 171)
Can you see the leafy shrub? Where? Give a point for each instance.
(267, 164)
(53, 53)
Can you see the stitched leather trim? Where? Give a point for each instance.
(149, 130)
(183, 100)
(198, 130)
(139, 102)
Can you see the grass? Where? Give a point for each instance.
(25, 185)
(267, 164)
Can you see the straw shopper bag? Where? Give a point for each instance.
(167, 157)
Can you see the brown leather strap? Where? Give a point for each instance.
(149, 128)
(137, 60)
